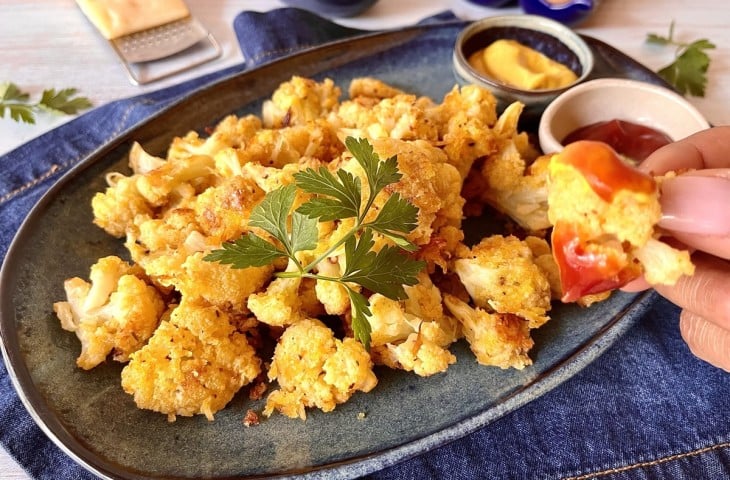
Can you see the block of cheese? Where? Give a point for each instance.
(116, 18)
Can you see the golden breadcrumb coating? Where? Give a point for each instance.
(299, 101)
(115, 209)
(194, 363)
(500, 275)
(315, 369)
(497, 339)
(413, 334)
(116, 312)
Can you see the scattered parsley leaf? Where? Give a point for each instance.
(688, 72)
(21, 109)
(334, 197)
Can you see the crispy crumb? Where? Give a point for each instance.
(251, 418)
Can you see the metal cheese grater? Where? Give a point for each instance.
(165, 50)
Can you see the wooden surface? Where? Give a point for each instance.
(50, 44)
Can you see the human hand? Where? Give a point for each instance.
(696, 212)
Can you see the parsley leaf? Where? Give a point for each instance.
(688, 72)
(21, 109)
(334, 197)
(249, 250)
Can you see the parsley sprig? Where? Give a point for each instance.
(337, 196)
(688, 72)
(22, 109)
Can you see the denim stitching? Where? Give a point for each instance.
(56, 168)
(651, 463)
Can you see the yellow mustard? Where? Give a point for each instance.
(518, 65)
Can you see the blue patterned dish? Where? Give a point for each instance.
(91, 419)
(569, 12)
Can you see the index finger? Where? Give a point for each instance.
(706, 149)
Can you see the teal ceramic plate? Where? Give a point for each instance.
(89, 416)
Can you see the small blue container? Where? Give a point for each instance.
(493, 3)
(333, 8)
(568, 12)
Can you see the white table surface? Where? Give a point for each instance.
(50, 44)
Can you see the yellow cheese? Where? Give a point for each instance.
(116, 18)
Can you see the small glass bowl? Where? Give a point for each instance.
(606, 99)
(547, 36)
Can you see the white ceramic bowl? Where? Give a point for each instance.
(607, 99)
(547, 36)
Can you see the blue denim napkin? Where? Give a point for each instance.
(645, 409)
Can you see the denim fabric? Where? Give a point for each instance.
(646, 409)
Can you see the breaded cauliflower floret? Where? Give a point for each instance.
(497, 339)
(300, 100)
(281, 303)
(315, 369)
(413, 334)
(167, 232)
(279, 147)
(177, 177)
(501, 275)
(193, 364)
(231, 132)
(116, 312)
(465, 117)
(219, 284)
(115, 208)
(604, 215)
(373, 88)
(223, 211)
(403, 117)
(512, 179)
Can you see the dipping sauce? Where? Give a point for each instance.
(518, 65)
(629, 139)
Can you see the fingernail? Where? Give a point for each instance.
(696, 204)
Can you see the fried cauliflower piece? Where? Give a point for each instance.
(300, 100)
(230, 133)
(218, 284)
(501, 275)
(604, 215)
(223, 211)
(414, 334)
(402, 117)
(465, 118)
(497, 339)
(178, 177)
(368, 87)
(115, 209)
(513, 178)
(286, 301)
(116, 312)
(194, 363)
(315, 369)
(280, 147)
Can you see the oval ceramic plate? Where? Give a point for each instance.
(89, 416)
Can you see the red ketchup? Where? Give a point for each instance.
(629, 139)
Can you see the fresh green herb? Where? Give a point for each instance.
(337, 197)
(21, 109)
(688, 72)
